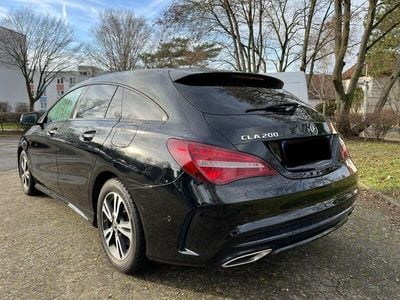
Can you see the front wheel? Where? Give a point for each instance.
(27, 180)
(120, 228)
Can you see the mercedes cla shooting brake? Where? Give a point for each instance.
(190, 167)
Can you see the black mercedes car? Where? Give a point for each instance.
(190, 167)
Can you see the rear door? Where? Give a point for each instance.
(134, 141)
(82, 141)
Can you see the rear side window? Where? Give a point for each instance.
(62, 110)
(137, 107)
(94, 103)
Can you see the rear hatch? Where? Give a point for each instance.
(257, 116)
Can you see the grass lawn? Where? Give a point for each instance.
(9, 126)
(378, 164)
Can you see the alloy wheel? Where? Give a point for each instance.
(24, 170)
(116, 226)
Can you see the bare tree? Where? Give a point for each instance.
(254, 33)
(119, 39)
(308, 19)
(284, 18)
(318, 35)
(39, 46)
(238, 26)
(343, 9)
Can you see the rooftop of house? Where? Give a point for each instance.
(370, 69)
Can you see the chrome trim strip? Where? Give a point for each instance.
(77, 210)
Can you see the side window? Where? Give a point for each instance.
(62, 110)
(136, 106)
(94, 103)
(115, 108)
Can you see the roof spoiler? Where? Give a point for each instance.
(230, 79)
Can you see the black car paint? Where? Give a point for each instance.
(179, 213)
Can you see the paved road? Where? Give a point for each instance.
(8, 150)
(48, 251)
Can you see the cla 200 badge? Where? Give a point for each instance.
(248, 137)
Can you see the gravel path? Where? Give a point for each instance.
(48, 251)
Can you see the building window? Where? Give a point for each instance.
(83, 73)
(43, 103)
(72, 80)
(60, 80)
(60, 93)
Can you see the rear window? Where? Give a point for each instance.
(233, 99)
(233, 93)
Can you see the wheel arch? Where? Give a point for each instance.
(18, 154)
(98, 183)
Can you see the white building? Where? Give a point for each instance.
(372, 87)
(12, 83)
(13, 87)
(63, 83)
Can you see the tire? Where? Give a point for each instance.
(26, 178)
(120, 228)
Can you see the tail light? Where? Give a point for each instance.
(344, 153)
(214, 164)
(345, 157)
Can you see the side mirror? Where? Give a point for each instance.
(29, 119)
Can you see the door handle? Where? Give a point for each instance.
(87, 136)
(52, 131)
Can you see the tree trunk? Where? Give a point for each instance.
(343, 116)
(304, 50)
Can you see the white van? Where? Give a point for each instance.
(295, 83)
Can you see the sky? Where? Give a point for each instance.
(83, 14)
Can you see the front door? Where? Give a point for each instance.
(82, 139)
(44, 142)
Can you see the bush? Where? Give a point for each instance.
(386, 121)
(329, 109)
(379, 127)
(355, 119)
(5, 107)
(9, 118)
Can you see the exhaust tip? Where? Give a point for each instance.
(246, 259)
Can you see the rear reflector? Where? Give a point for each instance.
(214, 164)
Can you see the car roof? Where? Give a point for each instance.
(153, 78)
(135, 78)
(158, 84)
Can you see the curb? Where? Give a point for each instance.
(389, 199)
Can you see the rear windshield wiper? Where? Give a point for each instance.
(288, 108)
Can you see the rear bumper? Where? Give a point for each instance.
(231, 221)
(288, 240)
(216, 242)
